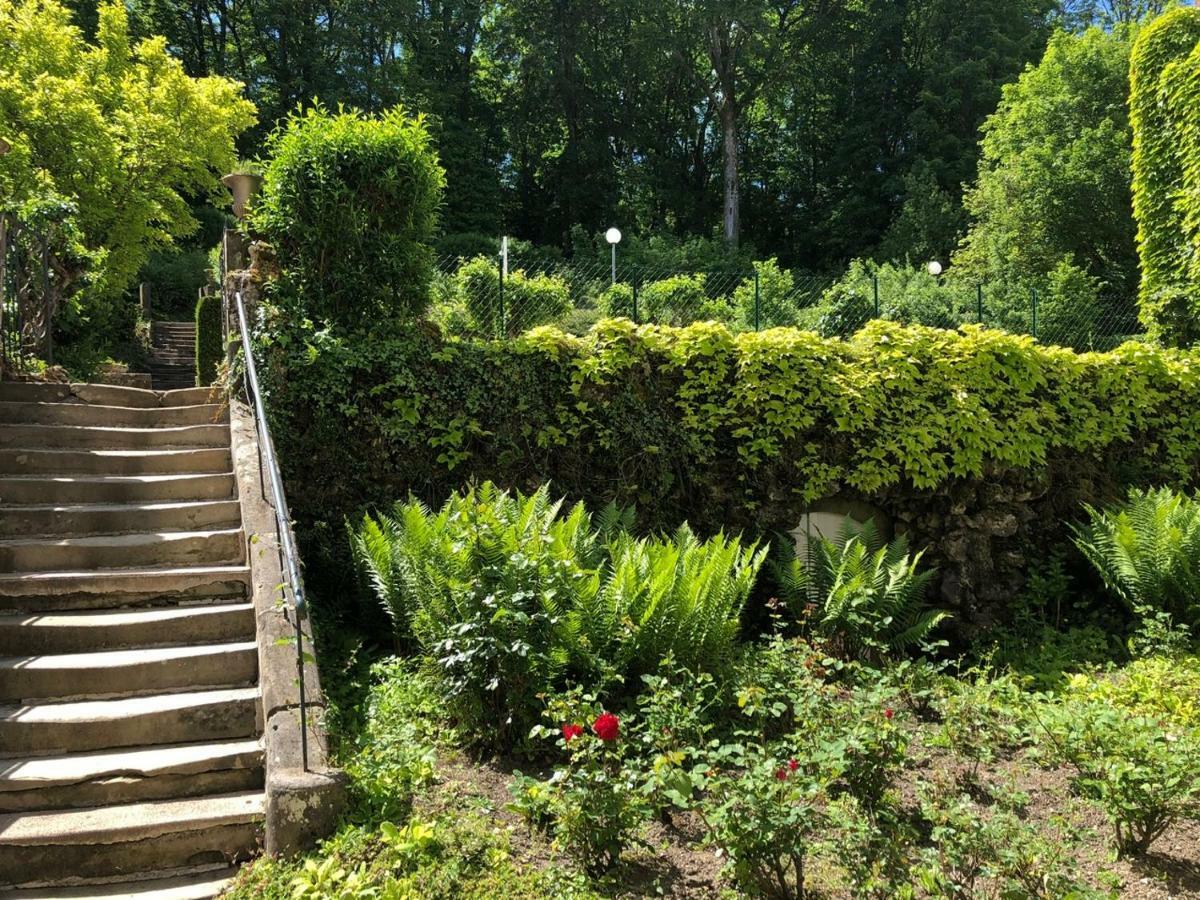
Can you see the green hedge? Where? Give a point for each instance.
(1165, 114)
(723, 430)
(209, 349)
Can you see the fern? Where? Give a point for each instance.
(1147, 551)
(864, 597)
(506, 594)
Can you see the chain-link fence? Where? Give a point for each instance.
(480, 297)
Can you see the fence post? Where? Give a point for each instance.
(46, 310)
(756, 299)
(633, 277)
(501, 322)
(875, 290)
(979, 302)
(1034, 296)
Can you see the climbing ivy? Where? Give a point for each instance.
(1165, 115)
(702, 424)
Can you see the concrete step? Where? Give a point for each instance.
(111, 416)
(38, 461)
(41, 489)
(150, 886)
(60, 591)
(102, 395)
(154, 626)
(81, 725)
(126, 776)
(112, 551)
(117, 518)
(93, 437)
(118, 840)
(141, 670)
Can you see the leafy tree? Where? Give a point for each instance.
(1054, 181)
(116, 128)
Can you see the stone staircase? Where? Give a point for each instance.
(130, 755)
(172, 363)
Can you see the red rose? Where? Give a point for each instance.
(793, 765)
(570, 730)
(887, 713)
(607, 727)
(781, 774)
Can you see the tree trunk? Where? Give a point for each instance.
(731, 213)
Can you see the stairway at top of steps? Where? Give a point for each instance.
(172, 363)
(130, 755)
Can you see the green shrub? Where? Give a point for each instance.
(210, 345)
(764, 815)
(1142, 774)
(906, 294)
(349, 203)
(862, 597)
(526, 300)
(776, 300)
(617, 300)
(677, 300)
(485, 586)
(1147, 550)
(738, 431)
(593, 803)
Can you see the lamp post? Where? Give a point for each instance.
(935, 268)
(613, 236)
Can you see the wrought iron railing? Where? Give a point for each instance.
(289, 557)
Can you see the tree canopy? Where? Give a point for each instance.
(115, 133)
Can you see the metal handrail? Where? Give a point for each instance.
(289, 557)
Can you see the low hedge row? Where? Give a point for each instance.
(730, 431)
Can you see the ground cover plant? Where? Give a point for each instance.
(782, 763)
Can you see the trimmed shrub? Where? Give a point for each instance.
(349, 203)
(526, 300)
(210, 350)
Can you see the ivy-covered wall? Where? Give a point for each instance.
(977, 442)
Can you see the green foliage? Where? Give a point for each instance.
(485, 585)
(592, 802)
(1147, 550)
(393, 754)
(523, 302)
(907, 294)
(349, 203)
(764, 815)
(1141, 773)
(1166, 144)
(968, 849)
(861, 597)
(210, 344)
(1051, 204)
(1164, 688)
(505, 595)
(981, 720)
(117, 136)
(721, 430)
(676, 597)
